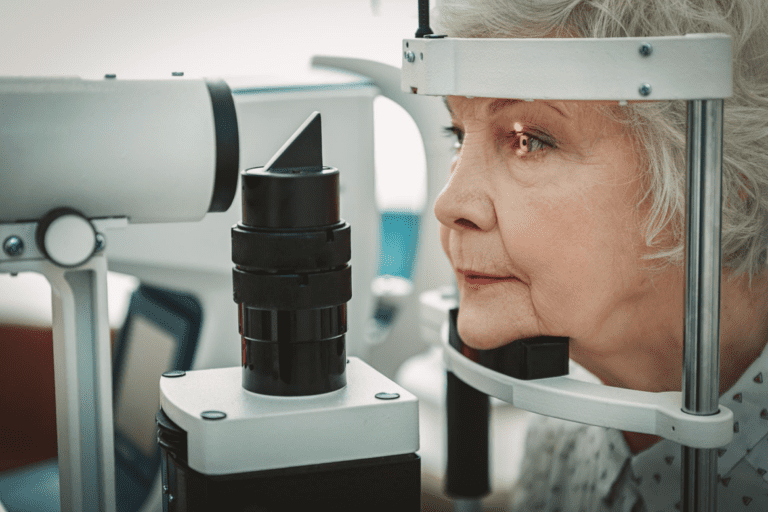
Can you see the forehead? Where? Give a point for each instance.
(491, 106)
(461, 106)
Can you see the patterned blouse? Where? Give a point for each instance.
(570, 467)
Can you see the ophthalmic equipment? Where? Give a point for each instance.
(298, 425)
(83, 157)
(112, 153)
(80, 157)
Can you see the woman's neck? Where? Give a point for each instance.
(658, 366)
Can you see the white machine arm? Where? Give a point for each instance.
(82, 355)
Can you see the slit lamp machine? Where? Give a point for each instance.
(93, 169)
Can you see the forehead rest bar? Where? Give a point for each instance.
(690, 67)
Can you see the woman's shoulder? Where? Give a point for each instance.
(568, 462)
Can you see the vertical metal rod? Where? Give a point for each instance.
(83, 379)
(701, 356)
(424, 29)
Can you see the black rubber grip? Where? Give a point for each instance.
(292, 291)
(295, 251)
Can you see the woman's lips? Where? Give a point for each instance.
(477, 278)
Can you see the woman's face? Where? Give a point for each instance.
(540, 221)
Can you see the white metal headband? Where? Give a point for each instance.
(690, 67)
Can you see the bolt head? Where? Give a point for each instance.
(645, 49)
(13, 246)
(101, 242)
(645, 90)
(410, 56)
(213, 415)
(387, 396)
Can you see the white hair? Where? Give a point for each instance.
(659, 129)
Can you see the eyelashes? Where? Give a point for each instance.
(454, 131)
(525, 142)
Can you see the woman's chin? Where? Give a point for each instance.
(488, 331)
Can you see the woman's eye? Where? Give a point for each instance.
(526, 143)
(454, 131)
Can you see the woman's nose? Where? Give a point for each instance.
(466, 200)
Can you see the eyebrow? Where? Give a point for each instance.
(501, 104)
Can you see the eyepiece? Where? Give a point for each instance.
(292, 278)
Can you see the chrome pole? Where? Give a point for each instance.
(701, 356)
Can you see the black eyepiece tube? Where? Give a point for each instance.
(424, 29)
(468, 414)
(292, 278)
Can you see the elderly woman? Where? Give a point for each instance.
(567, 219)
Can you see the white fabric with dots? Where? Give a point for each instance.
(570, 467)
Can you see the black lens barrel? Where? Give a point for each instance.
(292, 278)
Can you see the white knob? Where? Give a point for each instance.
(68, 239)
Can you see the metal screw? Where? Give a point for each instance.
(110, 75)
(174, 373)
(646, 49)
(645, 90)
(387, 396)
(101, 242)
(410, 56)
(213, 415)
(165, 489)
(177, 73)
(170, 498)
(13, 246)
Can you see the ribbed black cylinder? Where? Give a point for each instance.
(303, 290)
(298, 199)
(271, 250)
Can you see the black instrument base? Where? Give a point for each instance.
(377, 484)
